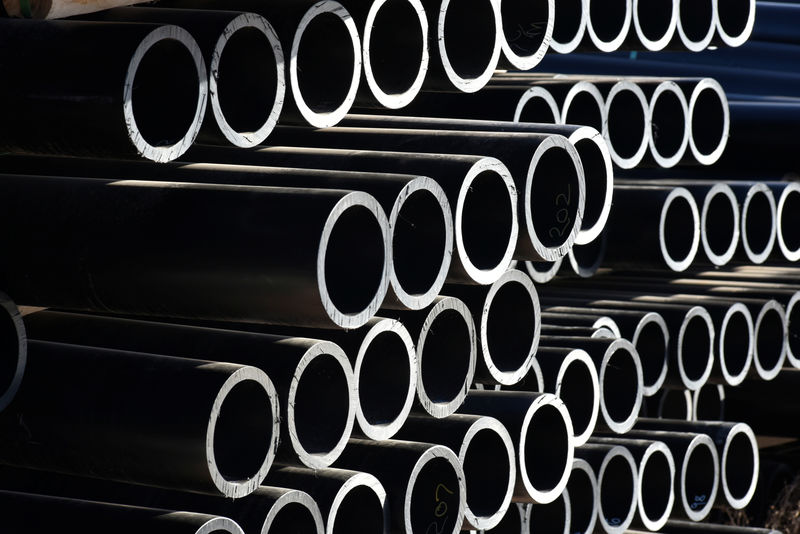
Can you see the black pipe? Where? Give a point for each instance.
(542, 272)
(695, 28)
(607, 24)
(654, 23)
(734, 21)
(147, 101)
(584, 495)
(671, 403)
(586, 260)
(527, 28)
(569, 26)
(554, 517)
(776, 22)
(512, 522)
(708, 403)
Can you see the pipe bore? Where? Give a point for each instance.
(617, 480)
(628, 128)
(469, 41)
(247, 84)
(527, 30)
(788, 216)
(740, 463)
(758, 223)
(708, 403)
(446, 354)
(359, 506)
(620, 379)
(770, 336)
(240, 447)
(325, 64)
(164, 106)
(510, 326)
(734, 20)
(14, 347)
(542, 272)
(435, 498)
(679, 229)
(512, 521)
(553, 517)
(537, 105)
(555, 198)
(586, 259)
(486, 221)
(655, 486)
(675, 404)
(386, 379)
(669, 124)
(599, 174)
(296, 512)
(584, 496)
(655, 22)
(709, 120)
(699, 478)
(422, 243)
(736, 348)
(695, 348)
(319, 431)
(719, 224)
(395, 51)
(608, 23)
(579, 388)
(584, 105)
(353, 261)
(696, 24)
(570, 25)
(651, 340)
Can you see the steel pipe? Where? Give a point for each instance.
(788, 235)
(759, 223)
(537, 105)
(696, 24)
(543, 466)
(43, 513)
(552, 517)
(616, 480)
(151, 235)
(709, 120)
(655, 491)
(569, 27)
(708, 403)
(542, 272)
(670, 403)
(770, 341)
(349, 501)
(512, 522)
(313, 379)
(527, 29)
(592, 150)
(549, 210)
(147, 101)
(424, 482)
(585, 260)
(88, 391)
(719, 224)
(697, 470)
(585, 105)
(737, 450)
(607, 25)
(15, 340)
(246, 82)
(619, 373)
(628, 114)
(508, 319)
(734, 21)
(486, 452)
(669, 123)
(446, 343)
(655, 22)
(480, 191)
(584, 495)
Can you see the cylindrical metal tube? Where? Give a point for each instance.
(527, 29)
(542, 272)
(734, 21)
(569, 27)
(616, 480)
(331, 272)
(552, 517)
(708, 403)
(628, 129)
(695, 26)
(669, 122)
(607, 24)
(486, 452)
(313, 379)
(584, 496)
(586, 260)
(512, 522)
(670, 403)
(148, 100)
(655, 22)
(74, 414)
(720, 229)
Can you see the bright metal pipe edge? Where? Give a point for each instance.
(752, 222)
(672, 90)
(631, 160)
(521, 50)
(615, 41)
(578, 13)
(708, 151)
(734, 21)
(643, 30)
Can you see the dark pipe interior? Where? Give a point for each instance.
(554, 197)
(577, 392)
(720, 223)
(360, 511)
(567, 20)
(524, 24)
(584, 109)
(790, 221)
(733, 15)
(679, 229)
(708, 119)
(595, 173)
(469, 36)
(620, 387)
(486, 468)
(548, 518)
(739, 465)
(675, 404)
(626, 123)
(445, 359)
(794, 330)
(396, 46)
(700, 477)
(656, 486)
(435, 497)
(537, 110)
(590, 256)
(695, 347)
(546, 460)
(735, 343)
(321, 405)
(510, 326)
(607, 18)
(710, 404)
(758, 223)
(696, 17)
(668, 125)
(770, 339)
(295, 518)
(486, 220)
(617, 488)
(581, 496)
(419, 242)
(652, 348)
(654, 17)
(384, 379)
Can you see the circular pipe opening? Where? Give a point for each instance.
(708, 403)
(436, 492)
(695, 348)
(486, 225)
(386, 376)
(651, 340)
(468, 35)
(770, 335)
(719, 222)
(353, 260)
(655, 22)
(361, 509)
(699, 476)
(321, 407)
(527, 29)
(736, 344)
(510, 326)
(656, 495)
(627, 130)
(675, 404)
(582, 488)
(620, 386)
(247, 84)
(599, 175)
(14, 346)
(542, 272)
(709, 118)
(165, 94)
(740, 466)
(422, 238)
(395, 51)
(578, 387)
(293, 517)
(788, 216)
(679, 230)
(669, 129)
(570, 25)
(537, 105)
(735, 20)
(446, 357)
(584, 105)
(325, 64)
(608, 23)
(696, 24)
(545, 464)
(758, 223)
(488, 472)
(617, 482)
(586, 259)
(512, 521)
(555, 197)
(553, 517)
